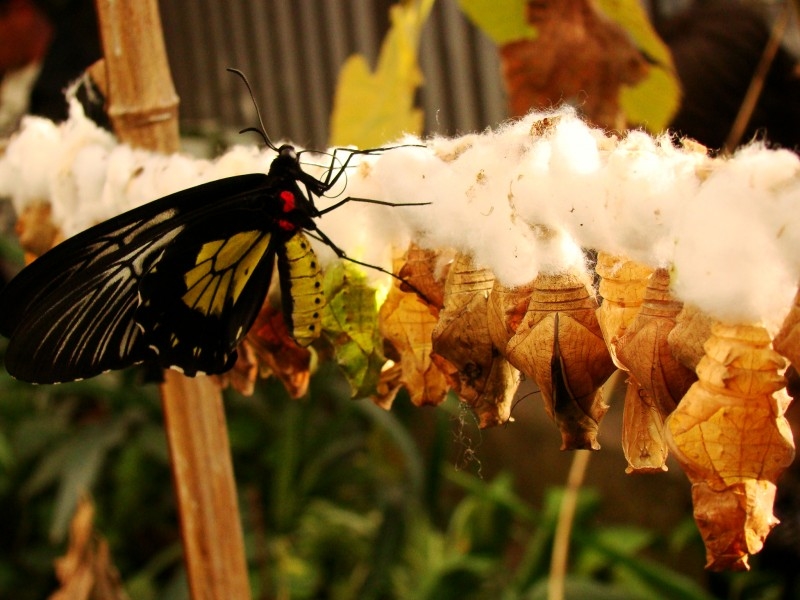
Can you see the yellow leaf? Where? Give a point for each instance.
(373, 108)
(503, 22)
(653, 102)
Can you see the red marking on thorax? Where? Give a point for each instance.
(288, 200)
(287, 225)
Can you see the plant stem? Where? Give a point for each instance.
(566, 517)
(757, 82)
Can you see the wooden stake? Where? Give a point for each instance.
(143, 108)
(142, 103)
(201, 469)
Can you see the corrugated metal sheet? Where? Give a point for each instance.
(292, 52)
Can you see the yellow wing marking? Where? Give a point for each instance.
(222, 269)
(305, 283)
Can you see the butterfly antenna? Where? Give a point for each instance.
(370, 201)
(261, 130)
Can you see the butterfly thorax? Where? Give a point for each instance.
(294, 210)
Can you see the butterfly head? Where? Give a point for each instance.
(287, 151)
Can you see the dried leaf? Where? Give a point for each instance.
(242, 377)
(86, 572)
(278, 353)
(578, 56)
(461, 337)
(350, 322)
(35, 230)
(426, 270)
(732, 440)
(622, 287)
(388, 385)
(653, 101)
(407, 323)
(661, 379)
(560, 346)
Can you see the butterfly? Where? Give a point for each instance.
(176, 282)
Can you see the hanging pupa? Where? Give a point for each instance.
(692, 329)
(787, 342)
(407, 323)
(659, 380)
(477, 371)
(730, 437)
(506, 309)
(560, 346)
(622, 287)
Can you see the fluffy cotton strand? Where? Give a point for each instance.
(522, 199)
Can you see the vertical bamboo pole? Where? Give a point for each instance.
(143, 108)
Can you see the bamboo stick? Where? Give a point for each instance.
(143, 107)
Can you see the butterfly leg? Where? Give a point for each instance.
(343, 256)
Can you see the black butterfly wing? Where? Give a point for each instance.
(70, 314)
(80, 333)
(201, 298)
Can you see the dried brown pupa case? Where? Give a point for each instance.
(560, 346)
(461, 337)
(692, 329)
(622, 287)
(407, 323)
(426, 270)
(787, 342)
(507, 307)
(730, 437)
(660, 381)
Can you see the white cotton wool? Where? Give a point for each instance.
(726, 260)
(521, 199)
(84, 145)
(27, 164)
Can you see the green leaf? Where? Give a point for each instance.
(578, 588)
(651, 579)
(75, 465)
(625, 540)
(350, 322)
(653, 102)
(503, 22)
(373, 108)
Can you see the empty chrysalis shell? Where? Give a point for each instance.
(507, 307)
(426, 270)
(560, 346)
(731, 438)
(622, 287)
(642, 432)
(407, 323)
(692, 329)
(787, 342)
(659, 381)
(477, 373)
